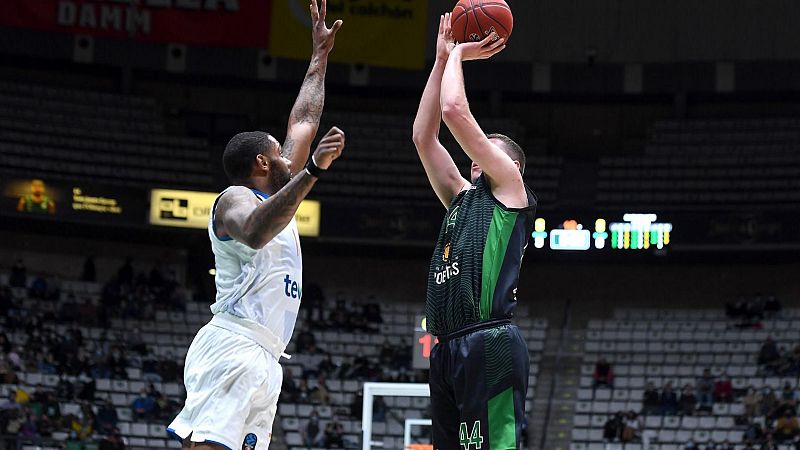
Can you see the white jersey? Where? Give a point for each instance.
(263, 286)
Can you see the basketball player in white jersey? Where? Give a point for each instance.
(232, 374)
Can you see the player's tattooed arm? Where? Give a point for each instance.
(254, 224)
(307, 110)
(242, 216)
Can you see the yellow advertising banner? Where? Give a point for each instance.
(191, 209)
(386, 33)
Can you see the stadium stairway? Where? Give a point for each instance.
(554, 401)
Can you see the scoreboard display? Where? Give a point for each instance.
(423, 343)
(634, 232)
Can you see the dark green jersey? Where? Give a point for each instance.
(475, 265)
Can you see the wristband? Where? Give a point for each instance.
(313, 169)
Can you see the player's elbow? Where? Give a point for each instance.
(422, 138)
(255, 240)
(454, 112)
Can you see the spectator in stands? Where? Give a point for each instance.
(106, 419)
(150, 369)
(289, 392)
(15, 359)
(603, 375)
(723, 389)
(768, 401)
(334, 434)
(15, 420)
(769, 356)
(304, 341)
(118, 363)
(755, 308)
(786, 427)
(669, 400)
(772, 306)
(688, 401)
(789, 396)
(30, 428)
(303, 392)
(651, 401)
(51, 410)
(38, 289)
(82, 429)
(327, 367)
(633, 427)
(88, 389)
(165, 408)
(168, 368)
(705, 390)
(753, 434)
(143, 406)
(312, 435)
(360, 369)
(357, 405)
(339, 317)
(769, 442)
(612, 430)
(752, 401)
(112, 441)
(372, 311)
(690, 445)
(10, 402)
(320, 394)
(19, 275)
(313, 299)
(379, 410)
(135, 343)
(65, 389)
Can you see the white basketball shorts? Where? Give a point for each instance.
(232, 388)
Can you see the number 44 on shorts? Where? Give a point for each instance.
(469, 439)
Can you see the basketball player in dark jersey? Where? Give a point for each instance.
(479, 367)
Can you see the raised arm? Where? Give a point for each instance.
(503, 174)
(241, 216)
(439, 166)
(307, 110)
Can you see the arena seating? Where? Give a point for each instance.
(171, 332)
(397, 328)
(701, 164)
(382, 163)
(62, 133)
(661, 346)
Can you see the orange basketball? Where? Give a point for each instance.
(473, 20)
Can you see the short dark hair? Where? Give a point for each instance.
(511, 148)
(240, 153)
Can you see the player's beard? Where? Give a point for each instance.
(279, 178)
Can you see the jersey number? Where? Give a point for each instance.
(469, 439)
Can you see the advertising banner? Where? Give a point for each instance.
(192, 209)
(386, 33)
(42, 198)
(227, 23)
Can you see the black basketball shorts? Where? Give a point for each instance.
(478, 380)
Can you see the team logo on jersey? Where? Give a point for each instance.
(249, 442)
(446, 252)
(451, 219)
(443, 274)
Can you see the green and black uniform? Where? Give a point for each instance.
(479, 368)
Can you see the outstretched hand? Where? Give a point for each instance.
(444, 40)
(322, 36)
(485, 49)
(329, 148)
